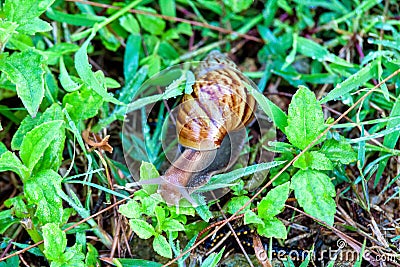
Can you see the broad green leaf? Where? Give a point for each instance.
(274, 202)
(26, 14)
(130, 24)
(162, 247)
(143, 229)
(92, 256)
(87, 20)
(147, 172)
(305, 118)
(313, 160)
(52, 113)
(353, 82)
(238, 5)
(55, 241)
(132, 209)
(160, 215)
(36, 142)
(168, 7)
(10, 162)
(236, 203)
(72, 257)
(251, 218)
(272, 228)
(340, 151)
(314, 191)
(151, 24)
(82, 104)
(85, 73)
(26, 70)
(41, 190)
(172, 225)
(18, 205)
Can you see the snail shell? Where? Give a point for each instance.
(219, 104)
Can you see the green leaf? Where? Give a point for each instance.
(65, 79)
(41, 190)
(313, 160)
(19, 208)
(137, 262)
(132, 209)
(251, 218)
(213, 259)
(272, 228)
(130, 24)
(353, 82)
(339, 151)
(7, 29)
(274, 202)
(26, 14)
(236, 203)
(55, 241)
(92, 256)
(85, 73)
(131, 56)
(147, 172)
(168, 7)
(162, 247)
(143, 229)
(314, 191)
(87, 20)
(34, 145)
(10, 162)
(52, 113)
(151, 24)
(303, 128)
(238, 5)
(160, 215)
(82, 104)
(6, 220)
(26, 70)
(172, 225)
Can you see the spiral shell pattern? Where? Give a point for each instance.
(219, 103)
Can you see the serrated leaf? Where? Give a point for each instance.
(162, 247)
(82, 104)
(36, 142)
(26, 70)
(236, 203)
(272, 228)
(314, 191)
(274, 202)
(41, 190)
(339, 151)
(52, 113)
(143, 229)
(86, 74)
(305, 118)
(313, 160)
(132, 209)
(151, 24)
(10, 162)
(147, 172)
(55, 241)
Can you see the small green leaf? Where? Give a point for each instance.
(339, 151)
(274, 202)
(303, 128)
(92, 256)
(162, 247)
(41, 190)
(19, 208)
(55, 241)
(151, 24)
(160, 215)
(313, 160)
(132, 209)
(236, 203)
(130, 24)
(6, 221)
(238, 5)
(272, 228)
(314, 191)
(172, 225)
(147, 172)
(251, 218)
(168, 8)
(34, 145)
(10, 162)
(143, 229)
(213, 259)
(85, 73)
(26, 70)
(131, 57)
(7, 29)
(66, 82)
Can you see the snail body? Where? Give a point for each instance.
(218, 106)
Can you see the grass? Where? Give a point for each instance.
(327, 76)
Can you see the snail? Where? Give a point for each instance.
(210, 124)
